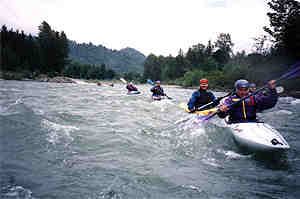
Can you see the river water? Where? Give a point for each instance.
(83, 141)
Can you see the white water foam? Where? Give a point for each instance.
(17, 192)
(78, 81)
(234, 155)
(283, 112)
(58, 133)
(297, 101)
(162, 104)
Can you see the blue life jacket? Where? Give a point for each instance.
(157, 91)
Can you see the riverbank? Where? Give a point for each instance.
(62, 79)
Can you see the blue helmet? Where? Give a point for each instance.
(241, 83)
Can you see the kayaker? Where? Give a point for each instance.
(252, 87)
(130, 87)
(157, 90)
(246, 110)
(201, 97)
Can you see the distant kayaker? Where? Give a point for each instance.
(246, 110)
(157, 90)
(252, 87)
(201, 97)
(130, 87)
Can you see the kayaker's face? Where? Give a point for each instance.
(252, 89)
(158, 84)
(203, 86)
(243, 92)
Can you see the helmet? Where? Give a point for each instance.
(157, 82)
(252, 85)
(241, 83)
(203, 81)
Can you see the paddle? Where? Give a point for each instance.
(217, 101)
(123, 80)
(293, 71)
(149, 81)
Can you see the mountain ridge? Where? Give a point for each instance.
(122, 61)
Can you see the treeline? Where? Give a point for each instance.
(47, 53)
(88, 71)
(272, 54)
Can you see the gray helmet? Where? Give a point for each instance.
(241, 83)
(252, 85)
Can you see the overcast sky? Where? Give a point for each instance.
(161, 27)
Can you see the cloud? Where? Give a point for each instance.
(159, 27)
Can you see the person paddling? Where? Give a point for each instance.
(157, 91)
(252, 87)
(130, 87)
(246, 110)
(201, 97)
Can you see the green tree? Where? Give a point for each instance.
(285, 25)
(152, 67)
(224, 45)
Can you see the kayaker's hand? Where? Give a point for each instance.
(223, 108)
(272, 84)
(192, 110)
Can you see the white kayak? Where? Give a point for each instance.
(133, 92)
(258, 137)
(157, 98)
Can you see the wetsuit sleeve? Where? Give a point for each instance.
(214, 99)
(192, 101)
(152, 89)
(268, 101)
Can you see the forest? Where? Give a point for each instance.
(273, 53)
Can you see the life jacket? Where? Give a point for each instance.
(204, 98)
(243, 111)
(157, 91)
(131, 88)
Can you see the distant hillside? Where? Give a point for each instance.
(124, 60)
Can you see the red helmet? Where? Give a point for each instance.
(203, 81)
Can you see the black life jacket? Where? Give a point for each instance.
(204, 98)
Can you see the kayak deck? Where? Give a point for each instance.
(204, 112)
(258, 137)
(133, 92)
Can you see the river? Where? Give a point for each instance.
(83, 141)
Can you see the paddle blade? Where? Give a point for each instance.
(123, 80)
(149, 81)
(208, 117)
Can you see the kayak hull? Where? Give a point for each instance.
(257, 137)
(133, 92)
(157, 98)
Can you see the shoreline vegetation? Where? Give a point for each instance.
(63, 79)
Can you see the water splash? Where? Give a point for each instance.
(58, 133)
